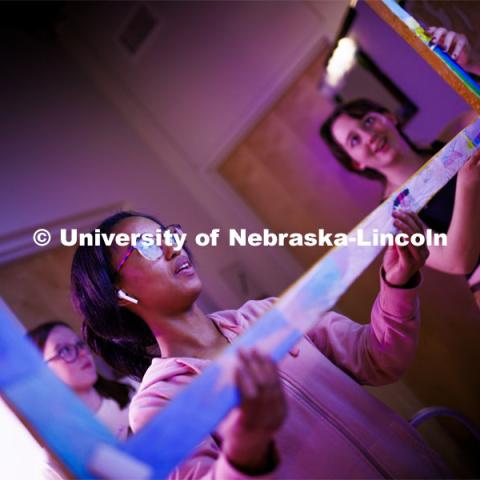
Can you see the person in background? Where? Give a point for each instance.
(366, 139)
(71, 360)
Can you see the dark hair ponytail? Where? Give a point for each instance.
(358, 109)
(116, 334)
(120, 392)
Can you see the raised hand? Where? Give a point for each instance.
(455, 44)
(402, 263)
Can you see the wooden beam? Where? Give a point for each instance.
(437, 60)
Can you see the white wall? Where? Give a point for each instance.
(148, 132)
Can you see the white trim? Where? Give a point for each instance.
(19, 243)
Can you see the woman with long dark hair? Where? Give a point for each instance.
(140, 315)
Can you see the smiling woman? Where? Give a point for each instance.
(365, 138)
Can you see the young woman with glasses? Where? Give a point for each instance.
(71, 360)
(140, 314)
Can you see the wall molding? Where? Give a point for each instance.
(19, 243)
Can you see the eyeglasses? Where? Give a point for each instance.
(151, 251)
(69, 352)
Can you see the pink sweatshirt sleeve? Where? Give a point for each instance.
(377, 353)
(207, 462)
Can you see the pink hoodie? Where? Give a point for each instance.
(334, 428)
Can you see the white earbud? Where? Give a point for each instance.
(122, 295)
